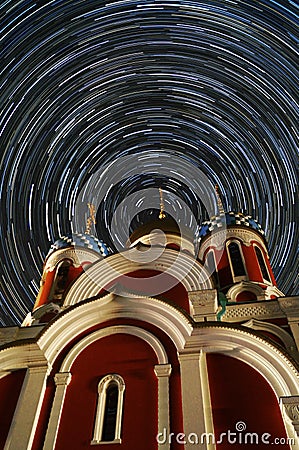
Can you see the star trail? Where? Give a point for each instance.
(85, 84)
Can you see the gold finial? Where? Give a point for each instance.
(219, 201)
(162, 214)
(91, 219)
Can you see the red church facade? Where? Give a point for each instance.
(160, 347)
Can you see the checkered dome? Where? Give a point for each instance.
(226, 220)
(83, 241)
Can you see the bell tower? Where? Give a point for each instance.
(234, 248)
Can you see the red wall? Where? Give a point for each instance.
(240, 393)
(10, 388)
(143, 281)
(134, 360)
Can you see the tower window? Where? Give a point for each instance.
(109, 410)
(236, 260)
(212, 265)
(262, 264)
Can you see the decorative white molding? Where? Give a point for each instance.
(285, 337)
(165, 238)
(62, 380)
(99, 422)
(196, 402)
(76, 255)
(290, 306)
(65, 369)
(179, 265)
(268, 309)
(217, 239)
(260, 354)
(24, 423)
(204, 304)
(163, 372)
(250, 286)
(150, 310)
(148, 337)
(290, 410)
(22, 357)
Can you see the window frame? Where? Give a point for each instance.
(211, 254)
(265, 280)
(103, 386)
(236, 278)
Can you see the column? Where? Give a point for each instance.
(197, 412)
(290, 410)
(62, 380)
(22, 430)
(163, 372)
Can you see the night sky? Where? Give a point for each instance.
(105, 102)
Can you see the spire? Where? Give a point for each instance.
(162, 214)
(91, 219)
(219, 200)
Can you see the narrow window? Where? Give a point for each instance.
(109, 410)
(262, 264)
(110, 413)
(236, 260)
(212, 266)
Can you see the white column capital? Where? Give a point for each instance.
(163, 370)
(63, 378)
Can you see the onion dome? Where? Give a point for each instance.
(81, 240)
(228, 219)
(168, 225)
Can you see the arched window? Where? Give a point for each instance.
(236, 260)
(262, 264)
(109, 410)
(60, 280)
(212, 265)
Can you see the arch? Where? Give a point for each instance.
(263, 356)
(118, 329)
(180, 265)
(283, 335)
(86, 315)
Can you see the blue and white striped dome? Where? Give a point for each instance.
(83, 241)
(227, 219)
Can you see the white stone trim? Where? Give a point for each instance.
(283, 335)
(25, 419)
(76, 255)
(290, 411)
(188, 271)
(204, 305)
(62, 380)
(148, 337)
(101, 404)
(197, 410)
(263, 356)
(268, 309)
(217, 238)
(150, 310)
(109, 331)
(163, 372)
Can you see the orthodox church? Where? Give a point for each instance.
(166, 345)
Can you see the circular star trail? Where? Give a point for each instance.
(84, 83)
